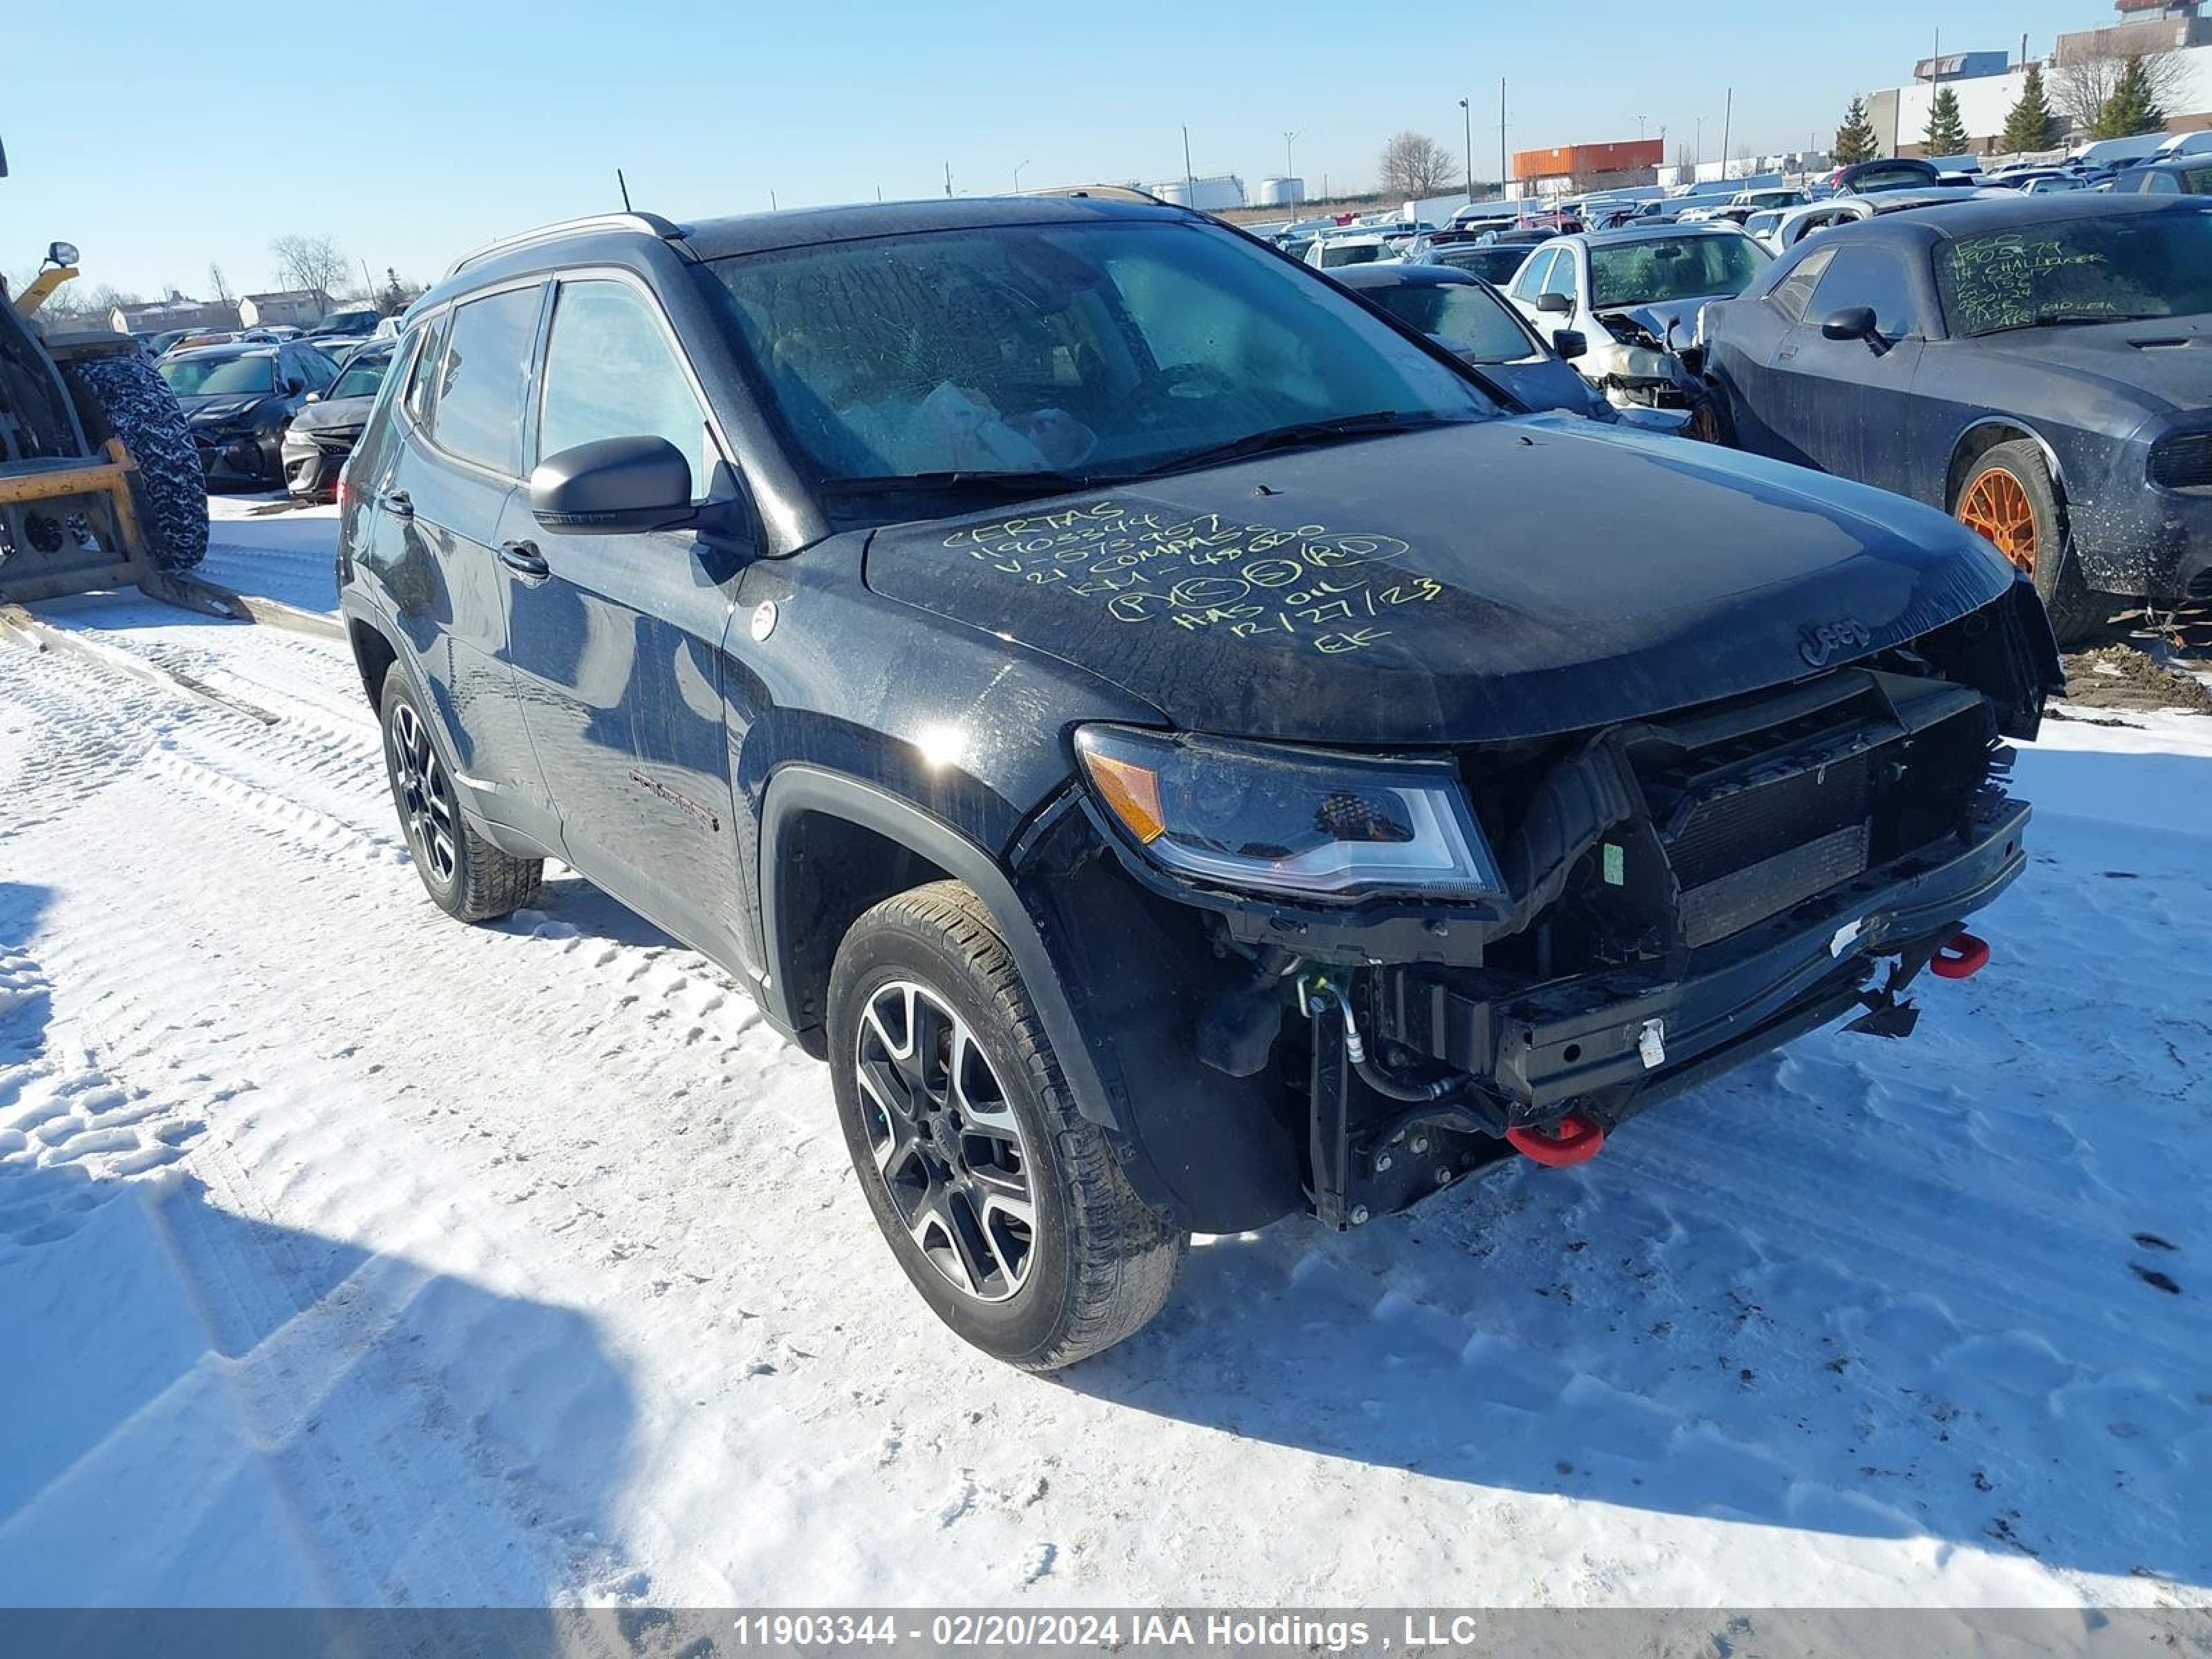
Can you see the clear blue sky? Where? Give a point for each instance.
(159, 139)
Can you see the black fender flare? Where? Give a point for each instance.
(797, 788)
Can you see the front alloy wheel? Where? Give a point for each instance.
(945, 1141)
(1006, 1209)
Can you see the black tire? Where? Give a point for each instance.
(464, 874)
(1100, 1261)
(2077, 612)
(121, 396)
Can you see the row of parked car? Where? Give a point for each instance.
(2035, 364)
(277, 408)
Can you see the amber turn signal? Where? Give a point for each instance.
(1130, 792)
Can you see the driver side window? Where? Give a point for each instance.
(1561, 279)
(1869, 276)
(1793, 293)
(1529, 283)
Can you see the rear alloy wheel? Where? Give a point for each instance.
(2009, 500)
(1006, 1207)
(464, 874)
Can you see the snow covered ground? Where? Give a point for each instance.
(349, 1256)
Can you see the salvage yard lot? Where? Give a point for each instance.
(352, 1257)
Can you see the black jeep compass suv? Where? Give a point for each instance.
(1183, 747)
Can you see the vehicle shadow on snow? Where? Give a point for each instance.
(208, 1409)
(567, 904)
(1942, 1289)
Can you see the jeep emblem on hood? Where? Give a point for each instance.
(1819, 641)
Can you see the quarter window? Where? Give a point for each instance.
(610, 373)
(481, 379)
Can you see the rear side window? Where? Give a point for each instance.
(1795, 292)
(1870, 277)
(482, 379)
(609, 372)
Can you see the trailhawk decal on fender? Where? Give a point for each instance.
(1307, 584)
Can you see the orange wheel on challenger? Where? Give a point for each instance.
(1996, 507)
(2008, 498)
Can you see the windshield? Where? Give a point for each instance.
(1114, 348)
(345, 322)
(2077, 270)
(202, 377)
(1658, 269)
(363, 374)
(1473, 321)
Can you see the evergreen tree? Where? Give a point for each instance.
(1855, 139)
(2133, 107)
(1946, 128)
(2032, 125)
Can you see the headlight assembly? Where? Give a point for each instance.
(1282, 820)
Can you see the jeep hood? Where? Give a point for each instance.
(1509, 578)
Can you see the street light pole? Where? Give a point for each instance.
(1189, 184)
(1290, 173)
(1728, 126)
(1501, 137)
(1466, 117)
(1019, 166)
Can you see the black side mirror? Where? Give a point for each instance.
(1851, 323)
(1569, 344)
(294, 386)
(616, 486)
(1555, 302)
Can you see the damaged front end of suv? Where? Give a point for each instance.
(1343, 981)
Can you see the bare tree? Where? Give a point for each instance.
(2081, 89)
(1414, 166)
(215, 282)
(310, 265)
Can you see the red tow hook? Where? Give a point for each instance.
(1959, 957)
(1573, 1139)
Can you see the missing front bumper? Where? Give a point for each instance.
(1607, 1045)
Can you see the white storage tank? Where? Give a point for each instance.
(1221, 190)
(1280, 193)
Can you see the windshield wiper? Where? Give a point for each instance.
(963, 481)
(1299, 435)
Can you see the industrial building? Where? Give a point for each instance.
(1899, 114)
(1575, 169)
